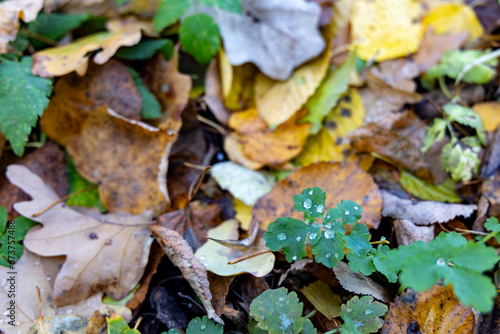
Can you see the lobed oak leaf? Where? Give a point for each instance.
(103, 252)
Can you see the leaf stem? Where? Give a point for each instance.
(487, 237)
(443, 87)
(385, 242)
(311, 314)
(62, 199)
(478, 61)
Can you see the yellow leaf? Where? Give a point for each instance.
(453, 18)
(323, 299)
(326, 145)
(490, 114)
(385, 29)
(243, 213)
(278, 101)
(237, 83)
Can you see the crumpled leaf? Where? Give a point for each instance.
(10, 13)
(443, 192)
(380, 29)
(260, 144)
(62, 60)
(218, 258)
(434, 311)
(121, 156)
(278, 101)
(251, 184)
(365, 312)
(23, 97)
(450, 18)
(331, 177)
(125, 240)
(323, 299)
(423, 212)
(285, 313)
(181, 255)
(276, 36)
(68, 323)
(76, 97)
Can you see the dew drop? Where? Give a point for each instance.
(203, 327)
(313, 236)
(347, 212)
(310, 192)
(441, 262)
(36, 263)
(48, 278)
(368, 312)
(355, 208)
(307, 220)
(328, 255)
(294, 257)
(282, 236)
(298, 238)
(336, 255)
(203, 258)
(320, 208)
(281, 299)
(307, 203)
(329, 234)
(328, 217)
(328, 225)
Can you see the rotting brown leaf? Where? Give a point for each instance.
(75, 97)
(340, 181)
(181, 255)
(127, 158)
(103, 252)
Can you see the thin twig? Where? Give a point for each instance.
(214, 125)
(39, 37)
(478, 61)
(192, 191)
(62, 199)
(248, 257)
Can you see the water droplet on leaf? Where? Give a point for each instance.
(294, 257)
(203, 327)
(312, 236)
(328, 225)
(282, 236)
(298, 238)
(441, 262)
(329, 234)
(310, 192)
(347, 212)
(320, 208)
(328, 255)
(307, 203)
(203, 258)
(368, 312)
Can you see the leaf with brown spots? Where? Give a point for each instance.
(127, 158)
(103, 252)
(340, 181)
(262, 145)
(75, 97)
(433, 311)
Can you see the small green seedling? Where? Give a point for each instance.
(363, 314)
(279, 312)
(200, 326)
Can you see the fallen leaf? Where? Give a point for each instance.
(218, 258)
(10, 13)
(323, 299)
(359, 283)
(127, 158)
(68, 323)
(434, 46)
(243, 213)
(296, 266)
(262, 145)
(492, 161)
(490, 114)
(278, 101)
(423, 212)
(62, 60)
(380, 29)
(407, 232)
(340, 181)
(234, 149)
(170, 87)
(275, 36)
(251, 184)
(434, 311)
(328, 144)
(488, 13)
(444, 192)
(213, 93)
(219, 285)
(75, 97)
(237, 83)
(116, 245)
(450, 18)
(181, 255)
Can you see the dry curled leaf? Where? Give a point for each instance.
(340, 181)
(103, 252)
(181, 255)
(10, 13)
(127, 158)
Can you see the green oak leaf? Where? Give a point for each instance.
(227, 5)
(311, 201)
(449, 257)
(169, 12)
(151, 108)
(141, 51)
(291, 235)
(285, 315)
(365, 313)
(23, 98)
(350, 211)
(435, 133)
(492, 225)
(199, 36)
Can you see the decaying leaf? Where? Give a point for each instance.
(127, 158)
(262, 145)
(109, 85)
(490, 114)
(434, 311)
(116, 246)
(181, 255)
(274, 35)
(68, 323)
(407, 232)
(423, 212)
(10, 13)
(340, 181)
(217, 258)
(234, 148)
(323, 299)
(62, 60)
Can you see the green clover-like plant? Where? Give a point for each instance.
(199, 326)
(363, 314)
(324, 230)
